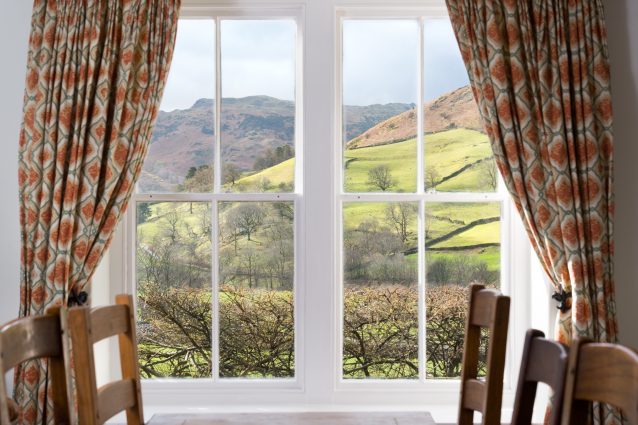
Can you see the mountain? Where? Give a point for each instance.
(250, 126)
(360, 118)
(452, 110)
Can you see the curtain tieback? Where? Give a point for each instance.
(78, 299)
(563, 299)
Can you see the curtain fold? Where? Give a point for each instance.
(539, 71)
(95, 74)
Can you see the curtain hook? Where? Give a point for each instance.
(562, 298)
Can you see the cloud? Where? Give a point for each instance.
(258, 58)
(192, 74)
(443, 64)
(380, 61)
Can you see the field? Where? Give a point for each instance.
(256, 267)
(282, 173)
(446, 153)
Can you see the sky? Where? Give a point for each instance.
(379, 65)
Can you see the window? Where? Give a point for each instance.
(317, 196)
(420, 215)
(215, 206)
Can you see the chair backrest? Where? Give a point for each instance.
(543, 361)
(31, 338)
(88, 326)
(488, 309)
(601, 372)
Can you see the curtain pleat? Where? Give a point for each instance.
(539, 71)
(95, 74)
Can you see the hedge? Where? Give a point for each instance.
(380, 332)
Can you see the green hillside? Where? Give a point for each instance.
(400, 158)
(283, 172)
(447, 152)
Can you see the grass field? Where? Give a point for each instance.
(255, 256)
(283, 172)
(189, 214)
(400, 158)
(447, 152)
(442, 218)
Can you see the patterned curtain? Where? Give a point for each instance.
(540, 74)
(95, 74)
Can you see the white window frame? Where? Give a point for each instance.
(219, 14)
(318, 197)
(421, 196)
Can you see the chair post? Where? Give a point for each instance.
(129, 360)
(489, 309)
(570, 414)
(471, 346)
(85, 382)
(60, 372)
(4, 409)
(496, 361)
(526, 389)
(542, 361)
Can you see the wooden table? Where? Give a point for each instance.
(316, 418)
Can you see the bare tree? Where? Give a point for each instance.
(427, 224)
(248, 217)
(231, 173)
(432, 177)
(399, 215)
(198, 179)
(249, 265)
(381, 177)
(170, 225)
(489, 176)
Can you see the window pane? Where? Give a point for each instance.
(173, 270)
(258, 108)
(380, 323)
(458, 156)
(379, 97)
(181, 153)
(462, 247)
(256, 299)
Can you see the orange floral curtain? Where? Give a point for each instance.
(95, 74)
(540, 74)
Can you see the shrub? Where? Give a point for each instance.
(380, 332)
(461, 270)
(256, 333)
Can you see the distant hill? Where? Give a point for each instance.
(360, 118)
(452, 110)
(250, 125)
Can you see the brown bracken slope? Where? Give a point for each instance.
(455, 109)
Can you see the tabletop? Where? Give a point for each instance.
(305, 418)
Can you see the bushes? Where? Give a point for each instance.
(174, 337)
(380, 332)
(461, 269)
(257, 332)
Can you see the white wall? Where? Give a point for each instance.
(622, 16)
(14, 33)
(15, 21)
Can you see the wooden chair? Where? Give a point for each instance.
(488, 308)
(88, 326)
(33, 338)
(543, 361)
(606, 373)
